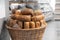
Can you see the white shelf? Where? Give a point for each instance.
(57, 17)
(44, 3)
(57, 13)
(57, 2)
(57, 8)
(57, 5)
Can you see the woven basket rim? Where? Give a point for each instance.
(24, 29)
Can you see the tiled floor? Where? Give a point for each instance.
(52, 32)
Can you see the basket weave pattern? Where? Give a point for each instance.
(35, 34)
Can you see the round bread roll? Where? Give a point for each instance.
(15, 25)
(13, 16)
(13, 11)
(27, 11)
(23, 17)
(37, 24)
(17, 16)
(10, 23)
(41, 17)
(20, 24)
(37, 12)
(26, 25)
(34, 18)
(43, 23)
(14, 22)
(38, 18)
(18, 12)
(32, 24)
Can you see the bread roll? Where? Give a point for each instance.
(13, 16)
(18, 12)
(10, 23)
(26, 25)
(37, 18)
(13, 11)
(44, 22)
(37, 24)
(17, 16)
(41, 17)
(27, 11)
(23, 17)
(34, 18)
(32, 24)
(14, 22)
(20, 24)
(15, 25)
(37, 12)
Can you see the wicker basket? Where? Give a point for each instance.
(26, 34)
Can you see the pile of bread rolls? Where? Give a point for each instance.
(26, 19)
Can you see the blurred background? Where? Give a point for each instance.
(50, 8)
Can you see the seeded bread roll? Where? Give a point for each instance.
(32, 24)
(23, 17)
(27, 11)
(37, 12)
(26, 25)
(37, 18)
(37, 24)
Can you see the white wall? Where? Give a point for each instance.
(6, 8)
(2, 8)
(4, 11)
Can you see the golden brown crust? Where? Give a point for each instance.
(37, 12)
(20, 24)
(43, 23)
(32, 24)
(37, 24)
(23, 17)
(18, 12)
(11, 22)
(27, 18)
(13, 11)
(37, 18)
(27, 11)
(26, 25)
